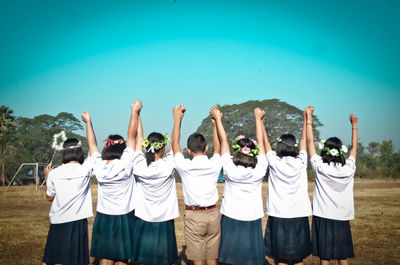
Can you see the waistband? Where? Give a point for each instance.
(198, 208)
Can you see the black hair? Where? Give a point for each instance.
(197, 143)
(153, 137)
(115, 151)
(286, 146)
(72, 154)
(240, 159)
(333, 143)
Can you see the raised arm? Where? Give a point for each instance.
(310, 133)
(177, 112)
(217, 144)
(267, 145)
(133, 124)
(91, 138)
(216, 115)
(303, 140)
(259, 115)
(354, 137)
(139, 135)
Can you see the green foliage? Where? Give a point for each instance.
(239, 119)
(32, 139)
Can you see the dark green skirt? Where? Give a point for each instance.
(67, 243)
(154, 243)
(241, 242)
(112, 236)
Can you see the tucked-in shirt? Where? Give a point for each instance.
(199, 179)
(242, 195)
(116, 183)
(69, 184)
(288, 186)
(333, 191)
(156, 199)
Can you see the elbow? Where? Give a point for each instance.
(50, 198)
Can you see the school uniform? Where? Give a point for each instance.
(242, 210)
(115, 219)
(67, 240)
(199, 183)
(154, 242)
(287, 234)
(333, 208)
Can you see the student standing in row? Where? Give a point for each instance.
(333, 202)
(287, 235)
(242, 207)
(199, 183)
(154, 241)
(115, 218)
(68, 188)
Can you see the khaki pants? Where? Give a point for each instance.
(202, 234)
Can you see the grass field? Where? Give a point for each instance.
(24, 223)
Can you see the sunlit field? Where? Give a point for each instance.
(24, 223)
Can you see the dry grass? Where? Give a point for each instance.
(376, 230)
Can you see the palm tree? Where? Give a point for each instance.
(7, 124)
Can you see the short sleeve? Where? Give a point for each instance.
(351, 162)
(128, 157)
(303, 156)
(315, 161)
(216, 158)
(262, 161)
(51, 191)
(271, 155)
(89, 163)
(169, 158)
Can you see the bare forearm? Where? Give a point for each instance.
(260, 135)
(139, 135)
(217, 145)
(267, 145)
(310, 137)
(303, 140)
(222, 137)
(176, 134)
(354, 141)
(132, 130)
(91, 138)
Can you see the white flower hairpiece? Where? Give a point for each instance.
(79, 144)
(321, 144)
(333, 152)
(56, 144)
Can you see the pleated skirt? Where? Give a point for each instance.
(67, 244)
(241, 242)
(331, 239)
(287, 238)
(112, 236)
(154, 243)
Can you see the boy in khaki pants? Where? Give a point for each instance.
(199, 183)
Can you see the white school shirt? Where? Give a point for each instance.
(333, 191)
(69, 184)
(242, 195)
(199, 179)
(288, 186)
(116, 183)
(156, 199)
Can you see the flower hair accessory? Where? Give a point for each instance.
(110, 142)
(332, 152)
(155, 145)
(281, 141)
(245, 149)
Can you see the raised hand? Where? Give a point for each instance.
(215, 113)
(178, 111)
(85, 117)
(136, 106)
(259, 114)
(353, 120)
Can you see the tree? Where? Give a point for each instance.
(7, 126)
(373, 148)
(239, 119)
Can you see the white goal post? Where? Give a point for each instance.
(35, 173)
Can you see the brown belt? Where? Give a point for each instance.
(198, 208)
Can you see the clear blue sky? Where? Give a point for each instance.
(340, 56)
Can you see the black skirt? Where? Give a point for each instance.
(287, 238)
(112, 236)
(331, 239)
(241, 242)
(67, 243)
(154, 243)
